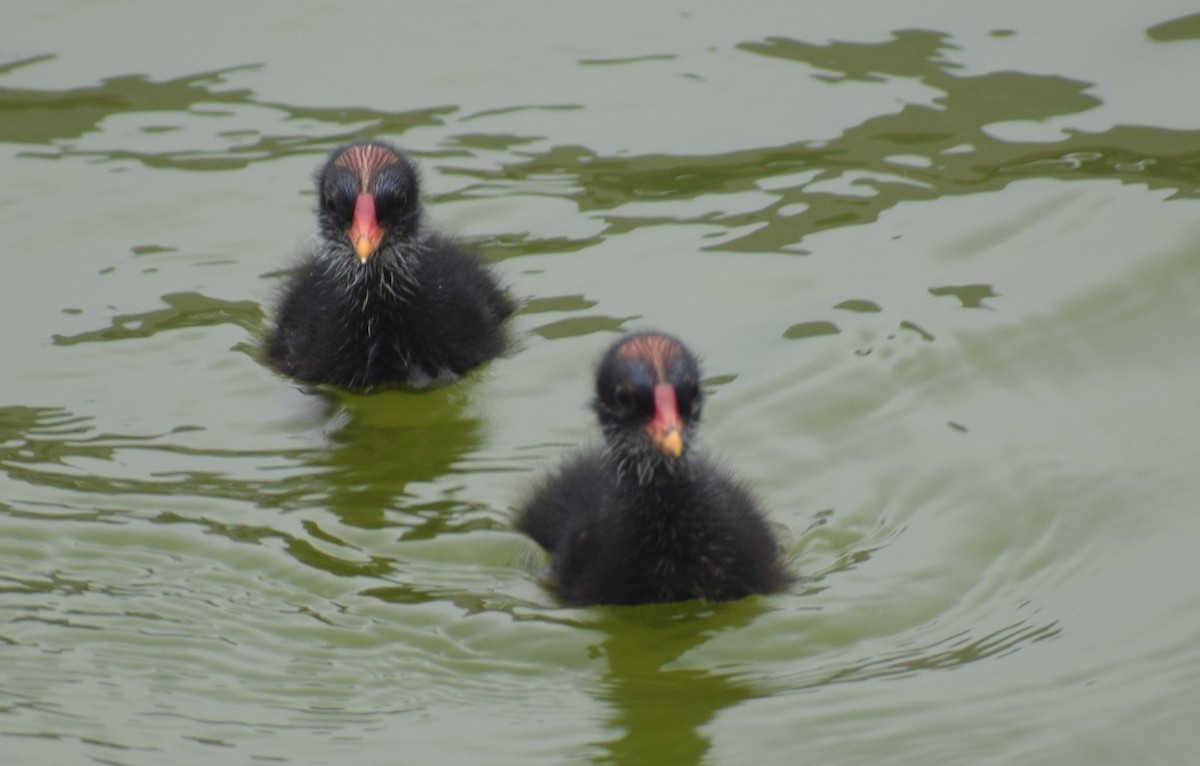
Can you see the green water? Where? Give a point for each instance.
(942, 263)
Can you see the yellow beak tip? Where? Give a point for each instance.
(364, 249)
(672, 444)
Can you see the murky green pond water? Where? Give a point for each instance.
(942, 261)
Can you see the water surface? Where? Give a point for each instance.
(943, 267)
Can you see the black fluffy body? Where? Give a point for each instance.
(421, 308)
(626, 524)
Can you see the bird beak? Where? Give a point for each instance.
(364, 231)
(666, 428)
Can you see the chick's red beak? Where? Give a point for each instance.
(666, 428)
(364, 231)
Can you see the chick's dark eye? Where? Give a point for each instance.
(339, 192)
(624, 396)
(385, 206)
(686, 396)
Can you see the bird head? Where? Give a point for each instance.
(368, 195)
(648, 399)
